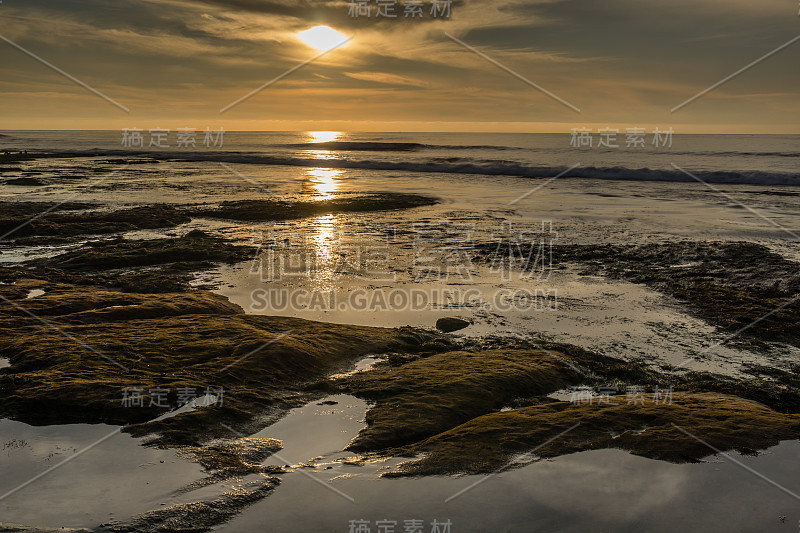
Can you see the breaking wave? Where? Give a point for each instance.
(478, 167)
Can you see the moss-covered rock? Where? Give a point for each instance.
(270, 210)
(65, 220)
(425, 397)
(90, 345)
(690, 427)
(189, 252)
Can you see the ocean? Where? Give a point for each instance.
(644, 156)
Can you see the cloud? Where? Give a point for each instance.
(619, 59)
(388, 79)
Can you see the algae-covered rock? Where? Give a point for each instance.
(6, 527)
(201, 515)
(224, 460)
(188, 252)
(81, 305)
(25, 182)
(269, 210)
(472, 411)
(688, 428)
(43, 219)
(91, 345)
(433, 394)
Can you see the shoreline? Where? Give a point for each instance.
(462, 405)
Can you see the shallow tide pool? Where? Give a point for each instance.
(602, 490)
(83, 475)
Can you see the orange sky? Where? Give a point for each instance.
(623, 63)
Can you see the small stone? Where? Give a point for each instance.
(449, 324)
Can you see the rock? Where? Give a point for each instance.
(449, 324)
(25, 182)
(168, 340)
(271, 210)
(17, 528)
(486, 443)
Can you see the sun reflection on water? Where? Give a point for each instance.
(323, 238)
(321, 154)
(320, 137)
(324, 181)
(323, 136)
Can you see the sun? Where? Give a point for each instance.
(322, 38)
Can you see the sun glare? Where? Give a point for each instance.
(322, 38)
(323, 136)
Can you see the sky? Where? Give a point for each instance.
(622, 63)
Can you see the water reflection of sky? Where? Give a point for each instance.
(114, 480)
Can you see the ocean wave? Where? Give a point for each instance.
(369, 146)
(510, 168)
(739, 154)
(478, 167)
(355, 146)
(359, 146)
